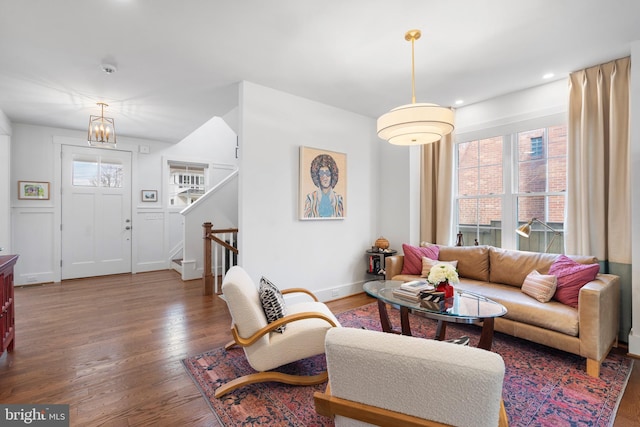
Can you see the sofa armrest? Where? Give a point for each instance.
(599, 316)
(393, 266)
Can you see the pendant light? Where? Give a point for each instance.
(102, 131)
(415, 123)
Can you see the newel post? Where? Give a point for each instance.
(208, 276)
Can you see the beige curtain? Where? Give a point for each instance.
(599, 197)
(436, 170)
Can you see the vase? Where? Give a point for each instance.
(446, 288)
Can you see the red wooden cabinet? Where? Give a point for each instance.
(7, 314)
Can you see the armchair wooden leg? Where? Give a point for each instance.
(503, 420)
(261, 377)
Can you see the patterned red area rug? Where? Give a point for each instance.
(542, 386)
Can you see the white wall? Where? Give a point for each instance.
(327, 256)
(526, 105)
(35, 155)
(5, 185)
(214, 143)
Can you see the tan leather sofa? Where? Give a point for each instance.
(589, 331)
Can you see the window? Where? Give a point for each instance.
(187, 182)
(480, 188)
(541, 189)
(97, 172)
(505, 181)
(536, 147)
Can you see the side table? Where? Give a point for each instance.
(376, 261)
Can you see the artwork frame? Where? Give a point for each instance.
(33, 190)
(149, 195)
(330, 170)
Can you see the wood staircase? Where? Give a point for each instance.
(220, 254)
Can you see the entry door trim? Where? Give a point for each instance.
(57, 142)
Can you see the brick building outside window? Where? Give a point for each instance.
(509, 179)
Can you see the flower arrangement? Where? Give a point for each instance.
(443, 272)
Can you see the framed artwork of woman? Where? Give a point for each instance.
(323, 184)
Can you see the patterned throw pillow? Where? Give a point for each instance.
(572, 276)
(540, 286)
(427, 263)
(272, 302)
(413, 257)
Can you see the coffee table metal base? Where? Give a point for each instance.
(486, 336)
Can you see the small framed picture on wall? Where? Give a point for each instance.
(33, 190)
(149, 195)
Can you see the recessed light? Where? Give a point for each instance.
(459, 102)
(548, 76)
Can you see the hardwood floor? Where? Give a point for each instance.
(111, 347)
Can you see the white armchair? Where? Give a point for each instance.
(306, 325)
(390, 380)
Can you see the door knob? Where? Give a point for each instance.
(127, 228)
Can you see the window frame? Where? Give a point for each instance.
(509, 197)
(169, 162)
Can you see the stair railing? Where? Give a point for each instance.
(225, 240)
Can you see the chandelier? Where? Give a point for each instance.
(415, 123)
(102, 131)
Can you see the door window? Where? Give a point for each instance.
(97, 172)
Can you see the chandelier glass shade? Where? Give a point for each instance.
(415, 123)
(102, 131)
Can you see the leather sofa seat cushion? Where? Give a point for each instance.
(473, 261)
(522, 308)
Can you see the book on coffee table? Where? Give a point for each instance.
(416, 286)
(406, 295)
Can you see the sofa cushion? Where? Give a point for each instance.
(427, 263)
(571, 277)
(413, 257)
(511, 267)
(522, 308)
(473, 261)
(540, 286)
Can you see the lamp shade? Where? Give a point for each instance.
(414, 124)
(524, 230)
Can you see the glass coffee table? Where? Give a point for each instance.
(463, 307)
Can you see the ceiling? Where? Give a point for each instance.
(176, 60)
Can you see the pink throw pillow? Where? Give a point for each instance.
(413, 257)
(572, 276)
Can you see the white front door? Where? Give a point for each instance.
(96, 212)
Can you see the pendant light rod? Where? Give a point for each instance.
(412, 36)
